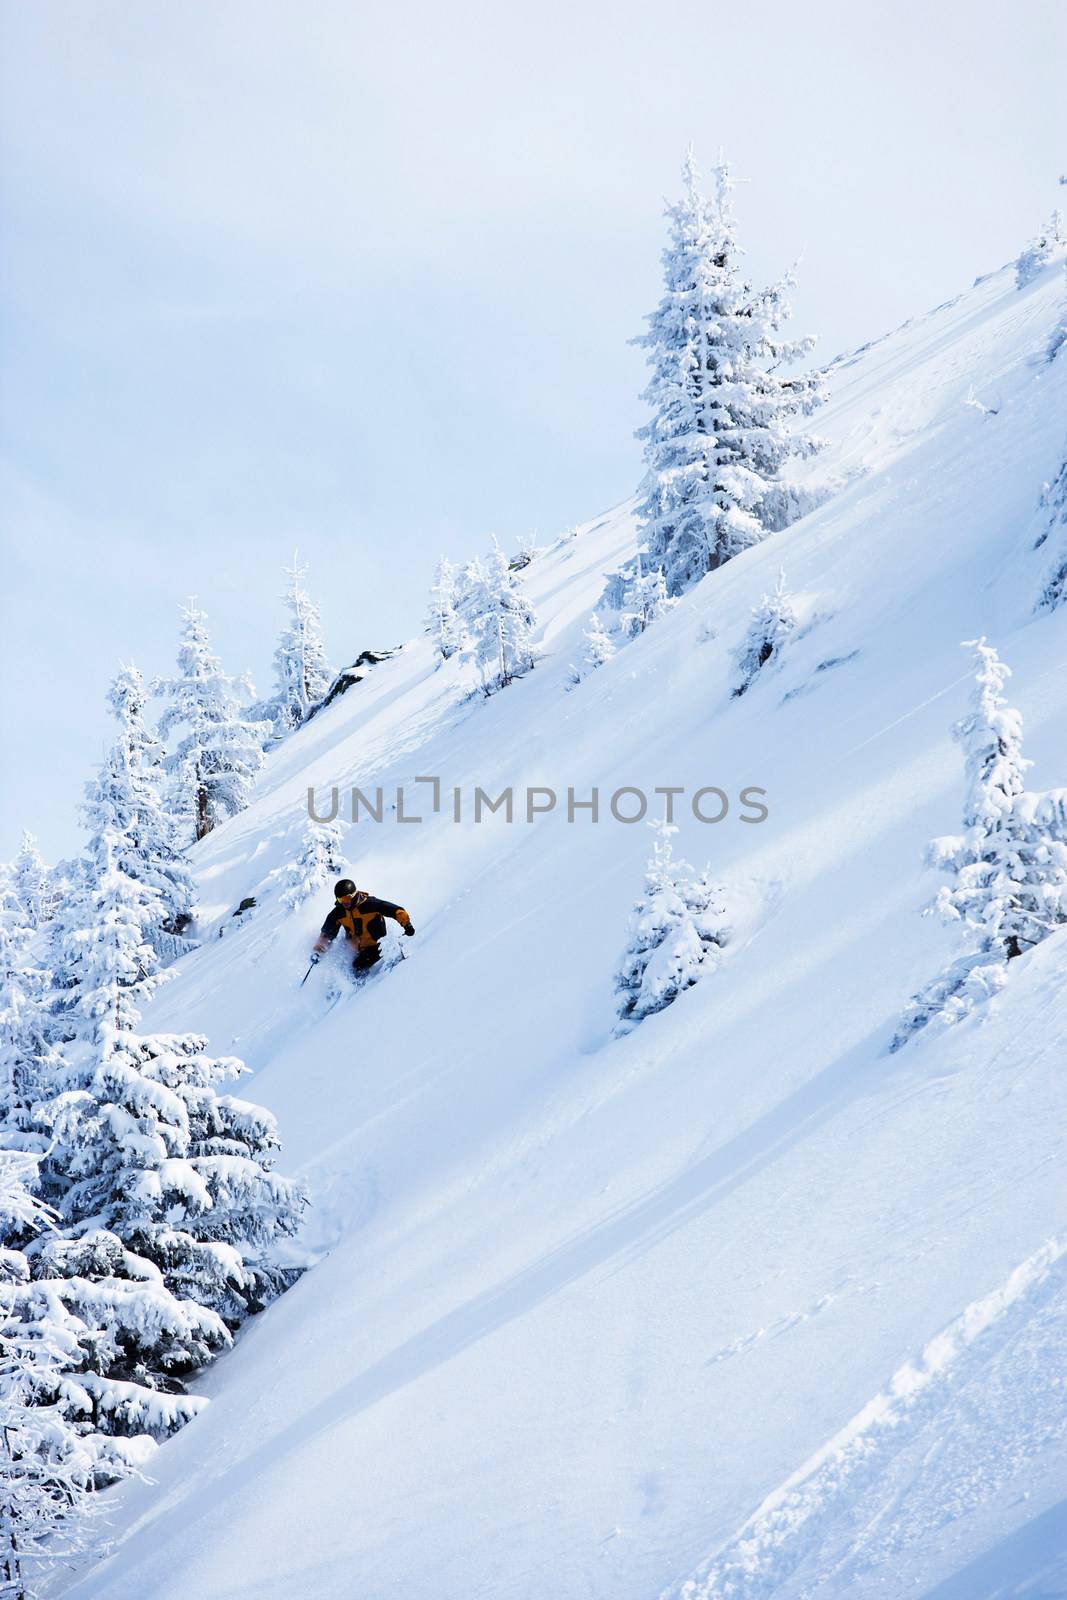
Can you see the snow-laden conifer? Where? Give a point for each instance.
(154, 1168)
(219, 753)
(104, 954)
(676, 932)
(302, 672)
(599, 645)
(500, 620)
(166, 1207)
(773, 621)
(130, 794)
(1053, 505)
(1008, 885)
(29, 880)
(46, 1468)
(1058, 337)
(25, 1054)
(644, 596)
(321, 858)
(599, 649)
(1046, 243)
(446, 629)
(719, 440)
(525, 551)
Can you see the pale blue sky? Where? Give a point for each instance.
(361, 280)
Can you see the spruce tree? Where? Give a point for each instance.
(116, 966)
(599, 645)
(1008, 885)
(644, 598)
(215, 761)
(1057, 341)
(320, 859)
(526, 550)
(676, 932)
(500, 620)
(446, 629)
(166, 1208)
(1047, 243)
(131, 788)
(46, 1469)
(718, 442)
(599, 649)
(1053, 504)
(25, 1054)
(29, 879)
(773, 621)
(302, 672)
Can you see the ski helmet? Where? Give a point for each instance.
(343, 886)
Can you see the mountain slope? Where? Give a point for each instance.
(582, 1304)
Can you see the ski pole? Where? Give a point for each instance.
(307, 975)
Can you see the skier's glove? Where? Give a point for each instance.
(409, 930)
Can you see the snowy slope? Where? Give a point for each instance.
(739, 1299)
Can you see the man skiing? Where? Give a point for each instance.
(362, 916)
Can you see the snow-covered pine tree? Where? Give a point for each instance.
(1058, 337)
(130, 791)
(214, 763)
(62, 881)
(1009, 865)
(102, 960)
(599, 645)
(167, 1209)
(645, 598)
(302, 672)
(1046, 243)
(676, 932)
(773, 620)
(637, 591)
(29, 879)
(25, 1055)
(599, 649)
(321, 858)
(717, 445)
(1053, 504)
(45, 1468)
(151, 1154)
(446, 629)
(500, 620)
(81, 1313)
(16, 935)
(526, 549)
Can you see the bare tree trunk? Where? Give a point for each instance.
(12, 1566)
(203, 817)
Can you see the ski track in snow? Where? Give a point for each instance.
(835, 1520)
(773, 1331)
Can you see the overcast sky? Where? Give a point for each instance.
(361, 279)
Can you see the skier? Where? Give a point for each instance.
(362, 916)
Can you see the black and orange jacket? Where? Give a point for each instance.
(363, 921)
